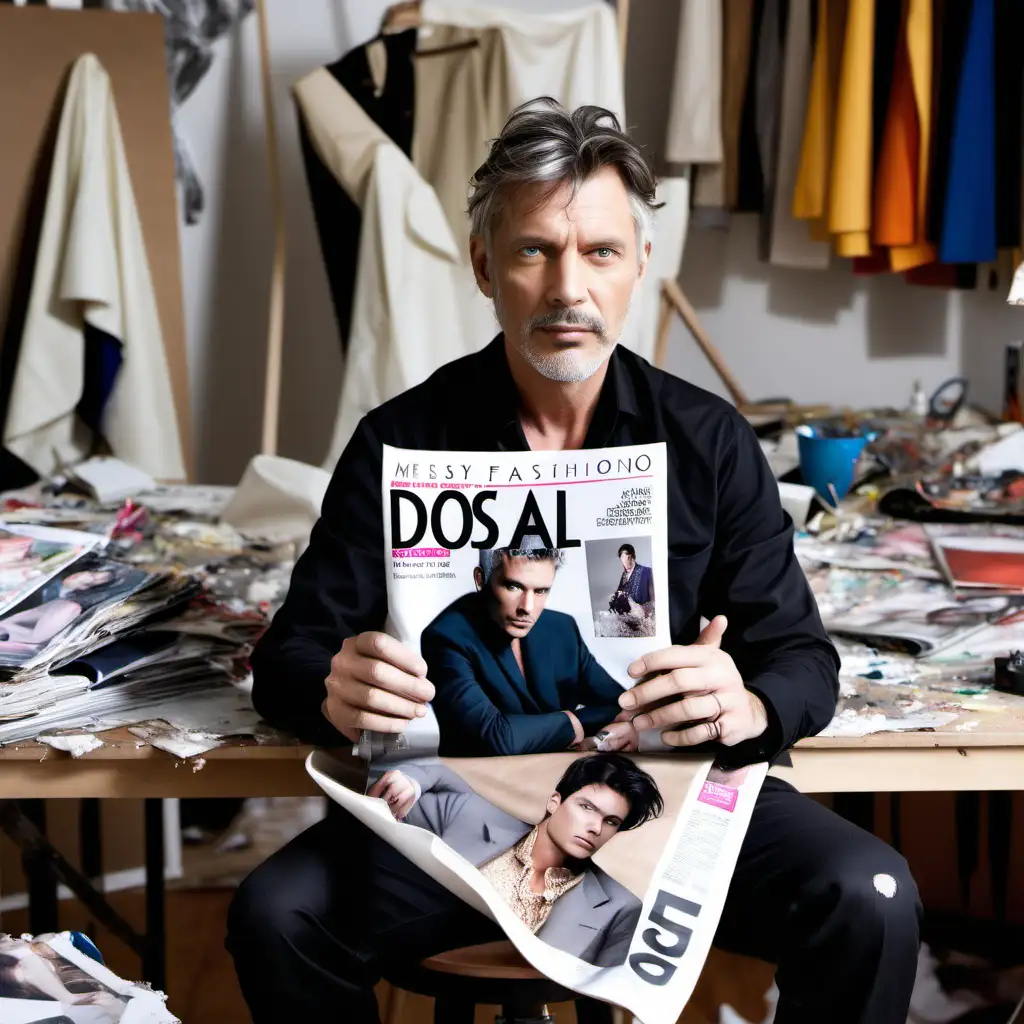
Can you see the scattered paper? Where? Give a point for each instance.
(76, 745)
(110, 479)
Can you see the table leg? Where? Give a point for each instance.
(43, 909)
(154, 955)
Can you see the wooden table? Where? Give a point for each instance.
(985, 756)
(988, 756)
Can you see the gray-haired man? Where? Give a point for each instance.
(561, 215)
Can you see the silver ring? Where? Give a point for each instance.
(714, 730)
(719, 703)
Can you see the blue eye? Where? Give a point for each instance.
(530, 250)
(604, 252)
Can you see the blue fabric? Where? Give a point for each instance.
(640, 585)
(969, 224)
(483, 703)
(102, 364)
(85, 945)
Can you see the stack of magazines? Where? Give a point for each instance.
(83, 636)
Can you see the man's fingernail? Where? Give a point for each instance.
(642, 722)
(420, 710)
(635, 669)
(627, 700)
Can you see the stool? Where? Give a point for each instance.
(494, 972)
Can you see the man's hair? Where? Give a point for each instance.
(490, 558)
(629, 549)
(543, 142)
(620, 774)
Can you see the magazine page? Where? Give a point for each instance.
(530, 582)
(48, 980)
(33, 628)
(32, 555)
(922, 621)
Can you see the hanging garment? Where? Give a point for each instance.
(750, 178)
(791, 241)
(768, 110)
(849, 201)
(1009, 65)
(916, 124)
(92, 330)
(716, 186)
(810, 194)
(571, 55)
(950, 20)
(380, 77)
(969, 223)
(695, 109)
(405, 317)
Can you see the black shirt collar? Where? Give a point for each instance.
(501, 399)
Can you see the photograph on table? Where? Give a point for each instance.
(621, 586)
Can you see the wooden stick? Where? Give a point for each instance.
(664, 323)
(672, 291)
(275, 327)
(622, 9)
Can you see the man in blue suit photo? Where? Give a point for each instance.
(513, 677)
(635, 592)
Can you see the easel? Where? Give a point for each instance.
(398, 17)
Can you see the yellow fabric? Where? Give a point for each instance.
(849, 201)
(810, 194)
(919, 47)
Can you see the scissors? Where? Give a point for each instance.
(947, 400)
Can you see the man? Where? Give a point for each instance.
(635, 591)
(511, 677)
(561, 215)
(544, 872)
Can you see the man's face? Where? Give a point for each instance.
(562, 271)
(584, 821)
(517, 593)
(627, 560)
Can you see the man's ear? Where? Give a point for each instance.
(481, 265)
(554, 802)
(478, 578)
(644, 257)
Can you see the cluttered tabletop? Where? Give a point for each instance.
(126, 621)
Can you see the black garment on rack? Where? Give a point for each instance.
(1009, 69)
(951, 19)
(338, 218)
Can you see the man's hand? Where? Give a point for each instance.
(617, 736)
(696, 694)
(376, 683)
(398, 791)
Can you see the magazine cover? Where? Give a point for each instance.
(530, 582)
(49, 980)
(31, 555)
(39, 622)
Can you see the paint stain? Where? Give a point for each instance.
(886, 885)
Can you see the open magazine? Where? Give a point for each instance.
(530, 581)
(49, 980)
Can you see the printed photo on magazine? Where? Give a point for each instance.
(39, 621)
(530, 582)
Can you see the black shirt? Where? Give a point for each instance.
(730, 544)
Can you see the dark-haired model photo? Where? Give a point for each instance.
(512, 676)
(621, 583)
(543, 872)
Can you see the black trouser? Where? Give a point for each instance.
(313, 929)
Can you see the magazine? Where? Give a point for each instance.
(923, 619)
(529, 582)
(49, 980)
(981, 562)
(31, 555)
(61, 604)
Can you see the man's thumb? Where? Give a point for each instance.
(711, 634)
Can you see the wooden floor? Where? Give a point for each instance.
(201, 983)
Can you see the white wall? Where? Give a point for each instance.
(806, 335)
